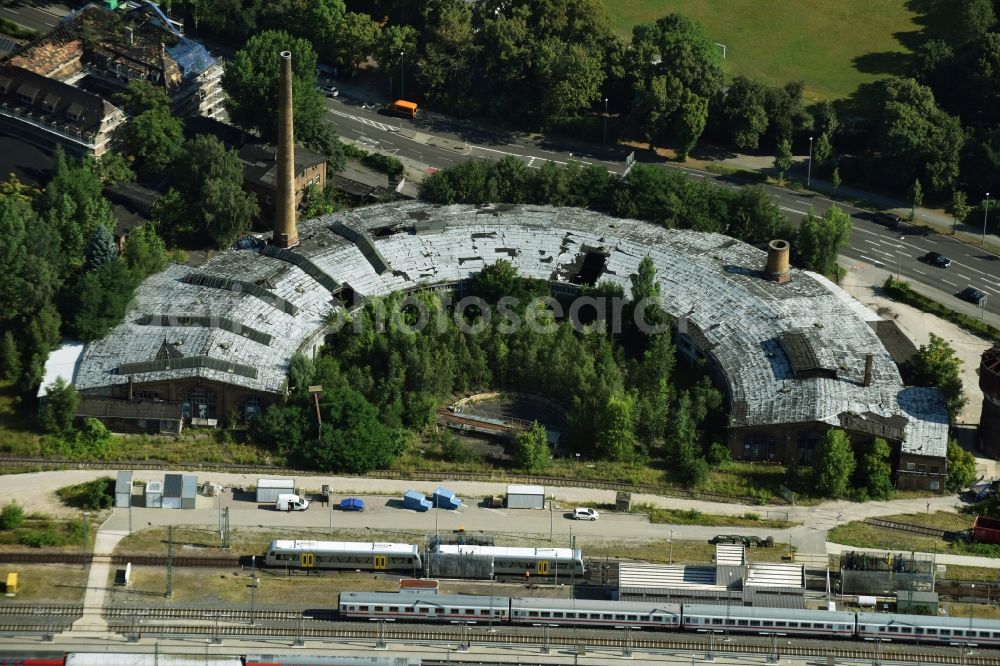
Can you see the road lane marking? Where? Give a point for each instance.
(916, 270)
(946, 282)
(874, 261)
(792, 210)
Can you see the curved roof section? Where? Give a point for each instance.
(712, 281)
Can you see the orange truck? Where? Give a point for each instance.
(402, 108)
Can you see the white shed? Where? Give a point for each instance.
(269, 489)
(525, 497)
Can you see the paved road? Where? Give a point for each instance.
(40, 16)
(871, 243)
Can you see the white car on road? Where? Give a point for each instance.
(583, 513)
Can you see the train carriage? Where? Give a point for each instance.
(344, 555)
(423, 607)
(544, 562)
(758, 619)
(595, 613)
(928, 629)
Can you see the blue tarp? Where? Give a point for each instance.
(416, 501)
(352, 504)
(446, 499)
(191, 57)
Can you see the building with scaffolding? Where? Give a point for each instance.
(60, 88)
(795, 356)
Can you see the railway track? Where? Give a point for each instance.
(26, 610)
(211, 614)
(555, 640)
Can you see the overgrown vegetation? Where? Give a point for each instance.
(91, 495)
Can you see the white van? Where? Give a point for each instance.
(289, 502)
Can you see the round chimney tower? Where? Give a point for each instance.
(285, 234)
(989, 382)
(777, 268)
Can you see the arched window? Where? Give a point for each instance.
(249, 408)
(199, 403)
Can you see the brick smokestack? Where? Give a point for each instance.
(868, 369)
(285, 233)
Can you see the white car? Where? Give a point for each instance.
(582, 513)
(329, 90)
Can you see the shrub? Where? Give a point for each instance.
(40, 538)
(92, 495)
(12, 516)
(384, 163)
(749, 515)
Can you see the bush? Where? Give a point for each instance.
(40, 538)
(12, 516)
(384, 163)
(93, 495)
(749, 515)
(718, 454)
(455, 450)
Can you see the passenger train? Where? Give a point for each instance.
(404, 557)
(666, 616)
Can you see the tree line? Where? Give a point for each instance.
(649, 193)
(64, 274)
(557, 63)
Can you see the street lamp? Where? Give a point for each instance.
(809, 168)
(604, 141)
(401, 75)
(670, 556)
(986, 215)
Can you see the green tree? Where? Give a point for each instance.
(823, 151)
(100, 249)
(675, 70)
(101, 298)
(743, 114)
(835, 177)
(531, 449)
(152, 134)
(912, 137)
(145, 251)
(783, 158)
(251, 83)
(615, 435)
(10, 357)
(282, 429)
(353, 438)
(959, 208)
(833, 464)
(876, 471)
(355, 41)
(935, 364)
(683, 447)
(395, 45)
(40, 337)
(976, 17)
(916, 197)
(961, 468)
(821, 239)
(112, 168)
(12, 516)
(207, 196)
(73, 206)
(59, 407)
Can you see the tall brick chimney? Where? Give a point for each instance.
(285, 234)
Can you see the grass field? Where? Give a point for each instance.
(863, 535)
(832, 46)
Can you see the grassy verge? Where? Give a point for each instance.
(902, 291)
(777, 41)
(863, 535)
(684, 552)
(39, 531)
(744, 174)
(8, 27)
(959, 572)
(47, 583)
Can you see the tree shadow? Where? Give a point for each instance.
(937, 19)
(887, 62)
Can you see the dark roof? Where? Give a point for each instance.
(128, 409)
(801, 347)
(173, 485)
(900, 347)
(258, 158)
(30, 165)
(74, 110)
(126, 221)
(133, 196)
